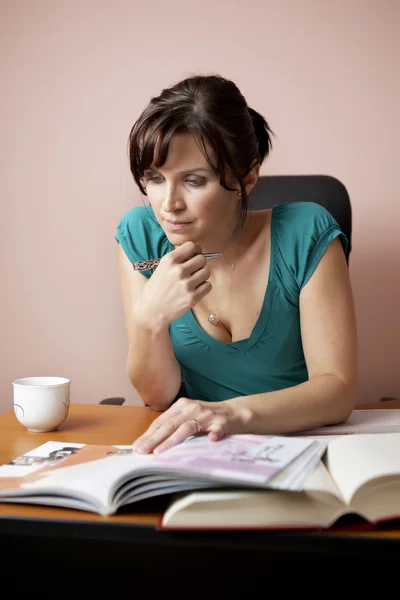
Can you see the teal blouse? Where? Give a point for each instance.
(272, 357)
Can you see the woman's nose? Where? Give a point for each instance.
(173, 199)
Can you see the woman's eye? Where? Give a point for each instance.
(195, 182)
(154, 178)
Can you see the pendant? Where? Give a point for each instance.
(213, 319)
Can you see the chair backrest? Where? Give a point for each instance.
(325, 190)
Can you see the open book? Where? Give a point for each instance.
(103, 479)
(359, 476)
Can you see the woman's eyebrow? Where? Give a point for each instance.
(195, 170)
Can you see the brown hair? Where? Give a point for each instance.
(215, 112)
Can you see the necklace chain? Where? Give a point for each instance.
(213, 318)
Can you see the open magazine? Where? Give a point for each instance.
(102, 479)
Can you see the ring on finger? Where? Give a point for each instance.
(198, 426)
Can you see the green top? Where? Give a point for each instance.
(272, 357)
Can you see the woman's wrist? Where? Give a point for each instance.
(152, 322)
(242, 415)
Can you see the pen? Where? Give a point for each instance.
(143, 265)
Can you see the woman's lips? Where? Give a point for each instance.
(178, 225)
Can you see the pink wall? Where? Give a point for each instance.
(76, 74)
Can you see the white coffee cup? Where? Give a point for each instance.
(41, 403)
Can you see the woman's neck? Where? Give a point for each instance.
(239, 243)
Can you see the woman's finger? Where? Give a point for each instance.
(199, 277)
(177, 424)
(155, 426)
(148, 442)
(184, 431)
(217, 432)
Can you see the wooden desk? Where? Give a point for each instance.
(87, 424)
(129, 548)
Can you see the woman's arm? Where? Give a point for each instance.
(329, 338)
(328, 329)
(151, 364)
(150, 305)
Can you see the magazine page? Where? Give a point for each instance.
(51, 456)
(96, 473)
(257, 458)
(294, 476)
(245, 458)
(94, 481)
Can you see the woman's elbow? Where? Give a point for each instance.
(348, 395)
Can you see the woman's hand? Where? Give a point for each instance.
(186, 418)
(177, 285)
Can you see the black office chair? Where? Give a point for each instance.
(325, 190)
(115, 401)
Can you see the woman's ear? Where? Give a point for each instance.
(251, 178)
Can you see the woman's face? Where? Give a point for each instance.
(188, 200)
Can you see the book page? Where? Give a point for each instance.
(320, 482)
(375, 421)
(319, 504)
(354, 460)
(362, 421)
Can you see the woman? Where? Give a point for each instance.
(263, 336)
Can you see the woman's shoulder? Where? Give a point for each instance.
(302, 219)
(140, 221)
(296, 217)
(136, 216)
(295, 212)
(301, 233)
(140, 234)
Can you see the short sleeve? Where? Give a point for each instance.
(141, 237)
(303, 233)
